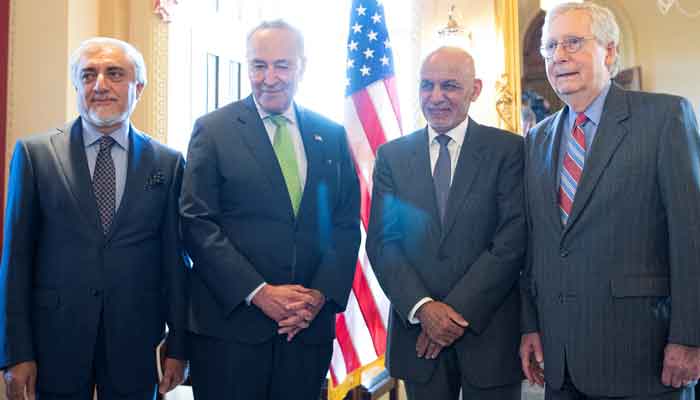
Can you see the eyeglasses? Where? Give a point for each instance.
(570, 45)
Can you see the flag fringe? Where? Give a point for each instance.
(352, 380)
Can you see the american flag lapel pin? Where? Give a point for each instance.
(318, 138)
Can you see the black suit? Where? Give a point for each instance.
(472, 262)
(63, 281)
(609, 290)
(240, 230)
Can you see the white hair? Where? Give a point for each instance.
(603, 26)
(279, 24)
(131, 52)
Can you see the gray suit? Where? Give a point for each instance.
(471, 263)
(610, 289)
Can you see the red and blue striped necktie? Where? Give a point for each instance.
(572, 168)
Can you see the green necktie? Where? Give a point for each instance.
(284, 150)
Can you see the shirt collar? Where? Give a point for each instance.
(92, 135)
(289, 113)
(594, 110)
(458, 133)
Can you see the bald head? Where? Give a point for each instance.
(451, 58)
(447, 87)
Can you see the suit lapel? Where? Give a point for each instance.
(613, 127)
(255, 137)
(420, 170)
(467, 168)
(315, 157)
(139, 165)
(70, 152)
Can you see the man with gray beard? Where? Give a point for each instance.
(92, 266)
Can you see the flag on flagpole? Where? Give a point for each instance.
(371, 118)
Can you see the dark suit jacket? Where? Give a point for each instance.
(240, 229)
(60, 274)
(471, 263)
(621, 280)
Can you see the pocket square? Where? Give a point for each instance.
(155, 179)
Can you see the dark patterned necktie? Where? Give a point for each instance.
(442, 174)
(104, 183)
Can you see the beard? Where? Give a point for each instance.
(99, 121)
(93, 117)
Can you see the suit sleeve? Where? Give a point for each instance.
(395, 274)
(528, 310)
(175, 269)
(225, 271)
(335, 273)
(679, 180)
(21, 227)
(479, 292)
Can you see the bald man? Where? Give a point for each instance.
(446, 239)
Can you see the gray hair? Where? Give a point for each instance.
(279, 24)
(603, 26)
(131, 52)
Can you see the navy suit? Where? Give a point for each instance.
(240, 230)
(63, 283)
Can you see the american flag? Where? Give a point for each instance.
(371, 118)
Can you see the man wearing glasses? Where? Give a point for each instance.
(270, 216)
(611, 291)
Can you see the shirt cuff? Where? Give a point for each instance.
(412, 315)
(252, 294)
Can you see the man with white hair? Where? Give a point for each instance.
(612, 288)
(92, 264)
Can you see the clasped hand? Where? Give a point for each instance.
(293, 307)
(441, 323)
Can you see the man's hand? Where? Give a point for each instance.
(304, 314)
(427, 348)
(681, 365)
(173, 375)
(21, 378)
(274, 300)
(441, 322)
(531, 358)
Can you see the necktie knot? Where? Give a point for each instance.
(279, 120)
(581, 119)
(443, 140)
(106, 142)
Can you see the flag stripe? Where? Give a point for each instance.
(365, 199)
(369, 310)
(390, 84)
(359, 145)
(379, 96)
(359, 332)
(350, 357)
(380, 298)
(369, 119)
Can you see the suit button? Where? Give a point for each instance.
(95, 292)
(563, 252)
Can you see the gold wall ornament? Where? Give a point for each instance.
(508, 90)
(505, 104)
(165, 9)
